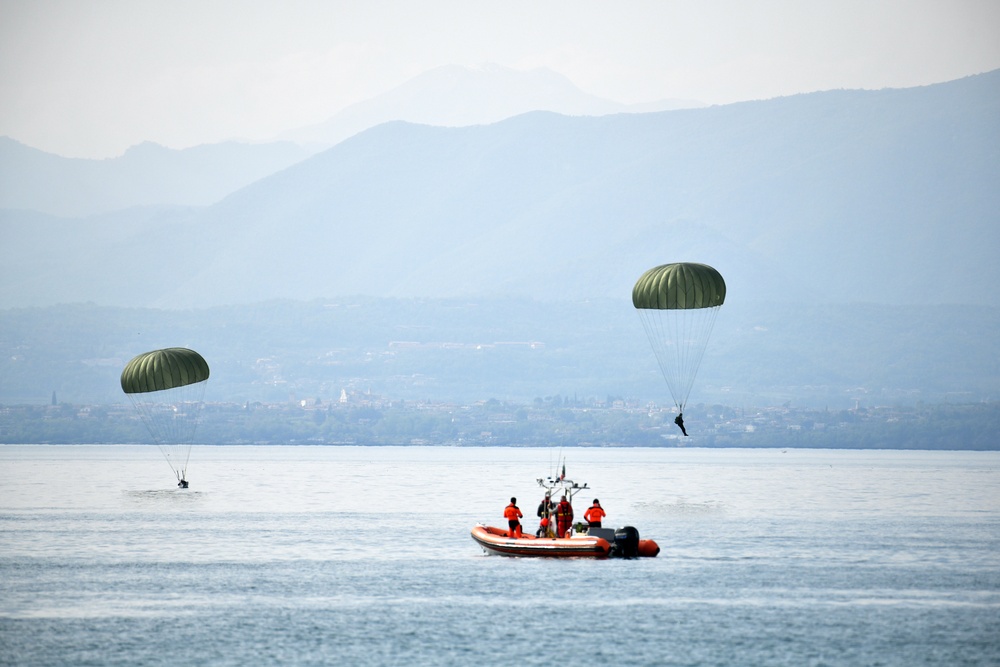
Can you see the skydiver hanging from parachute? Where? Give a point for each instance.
(679, 420)
(678, 304)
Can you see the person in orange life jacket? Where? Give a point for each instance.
(513, 515)
(594, 514)
(545, 510)
(564, 517)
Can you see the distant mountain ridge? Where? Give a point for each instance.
(455, 96)
(886, 196)
(152, 175)
(146, 175)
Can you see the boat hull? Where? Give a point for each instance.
(498, 541)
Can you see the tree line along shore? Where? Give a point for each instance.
(552, 421)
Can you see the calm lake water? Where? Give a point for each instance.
(362, 556)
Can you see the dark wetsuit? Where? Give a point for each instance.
(679, 420)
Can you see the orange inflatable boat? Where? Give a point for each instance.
(594, 543)
(582, 542)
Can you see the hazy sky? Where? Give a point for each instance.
(90, 78)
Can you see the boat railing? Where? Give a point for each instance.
(559, 486)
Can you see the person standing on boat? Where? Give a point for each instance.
(594, 514)
(564, 517)
(513, 515)
(546, 509)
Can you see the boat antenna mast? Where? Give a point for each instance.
(561, 485)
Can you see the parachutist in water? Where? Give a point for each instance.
(183, 484)
(679, 420)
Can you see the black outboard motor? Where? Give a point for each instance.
(626, 542)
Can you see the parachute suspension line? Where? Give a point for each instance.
(172, 421)
(661, 332)
(697, 329)
(654, 332)
(182, 467)
(679, 339)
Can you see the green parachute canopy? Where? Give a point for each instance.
(678, 304)
(679, 286)
(160, 370)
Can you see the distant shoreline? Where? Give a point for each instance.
(957, 427)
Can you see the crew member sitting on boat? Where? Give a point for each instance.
(564, 518)
(594, 514)
(513, 515)
(546, 509)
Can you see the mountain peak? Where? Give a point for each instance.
(458, 96)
